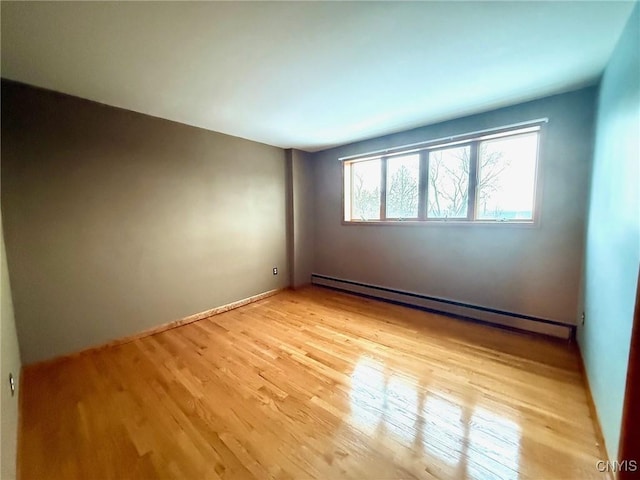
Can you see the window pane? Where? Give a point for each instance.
(448, 189)
(506, 178)
(403, 174)
(365, 190)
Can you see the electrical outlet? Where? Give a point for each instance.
(12, 384)
(275, 270)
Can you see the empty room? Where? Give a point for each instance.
(320, 240)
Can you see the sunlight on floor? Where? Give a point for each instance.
(478, 444)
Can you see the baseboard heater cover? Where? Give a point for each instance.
(450, 307)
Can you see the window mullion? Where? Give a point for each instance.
(383, 189)
(473, 181)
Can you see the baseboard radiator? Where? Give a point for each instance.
(492, 316)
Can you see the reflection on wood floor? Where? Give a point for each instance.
(313, 384)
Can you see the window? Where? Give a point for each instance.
(487, 177)
(448, 185)
(507, 178)
(403, 176)
(365, 190)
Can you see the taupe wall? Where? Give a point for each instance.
(302, 187)
(534, 271)
(9, 363)
(116, 222)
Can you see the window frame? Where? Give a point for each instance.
(423, 149)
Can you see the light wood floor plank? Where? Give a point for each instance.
(313, 384)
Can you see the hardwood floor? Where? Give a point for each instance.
(312, 384)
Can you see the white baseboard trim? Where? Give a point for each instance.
(492, 316)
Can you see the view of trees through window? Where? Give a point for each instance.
(507, 178)
(498, 172)
(448, 183)
(403, 177)
(366, 190)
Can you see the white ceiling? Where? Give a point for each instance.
(309, 75)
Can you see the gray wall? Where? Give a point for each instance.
(613, 235)
(302, 188)
(116, 222)
(533, 271)
(9, 363)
